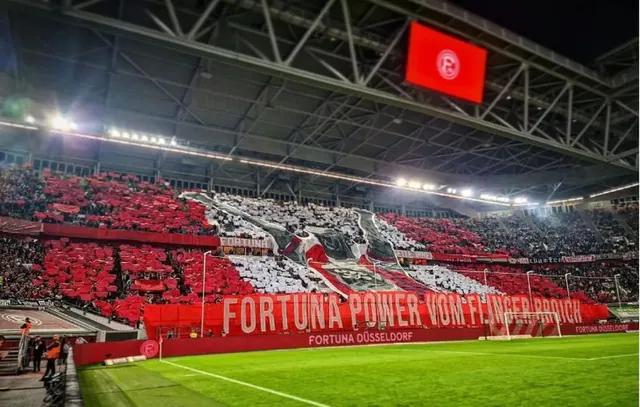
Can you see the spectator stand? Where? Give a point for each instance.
(278, 275)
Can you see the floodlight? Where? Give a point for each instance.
(520, 200)
(160, 140)
(428, 187)
(173, 142)
(401, 182)
(61, 123)
(153, 140)
(114, 133)
(145, 138)
(414, 184)
(467, 192)
(126, 135)
(30, 119)
(135, 136)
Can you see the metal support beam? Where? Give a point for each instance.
(546, 112)
(141, 33)
(586, 127)
(272, 34)
(308, 33)
(352, 49)
(569, 115)
(503, 91)
(605, 148)
(174, 18)
(385, 54)
(624, 136)
(198, 24)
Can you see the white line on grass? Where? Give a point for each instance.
(614, 356)
(253, 386)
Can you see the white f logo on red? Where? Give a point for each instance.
(448, 64)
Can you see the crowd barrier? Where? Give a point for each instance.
(97, 352)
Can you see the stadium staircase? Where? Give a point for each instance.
(17, 358)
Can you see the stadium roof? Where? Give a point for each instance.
(274, 80)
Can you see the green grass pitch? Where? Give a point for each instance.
(590, 370)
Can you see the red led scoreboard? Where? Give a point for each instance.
(445, 64)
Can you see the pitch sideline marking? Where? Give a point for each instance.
(253, 386)
(520, 355)
(614, 356)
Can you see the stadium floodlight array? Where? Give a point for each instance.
(609, 191)
(67, 127)
(568, 200)
(495, 198)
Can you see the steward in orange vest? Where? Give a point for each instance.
(53, 353)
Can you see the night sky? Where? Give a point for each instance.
(580, 30)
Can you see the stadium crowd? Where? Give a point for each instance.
(118, 280)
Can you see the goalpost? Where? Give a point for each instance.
(524, 325)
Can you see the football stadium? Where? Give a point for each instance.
(318, 202)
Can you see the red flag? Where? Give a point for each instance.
(445, 64)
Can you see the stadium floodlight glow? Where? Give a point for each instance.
(414, 184)
(153, 140)
(144, 138)
(135, 136)
(173, 142)
(561, 201)
(126, 135)
(609, 191)
(114, 132)
(466, 192)
(161, 140)
(62, 123)
(520, 200)
(30, 119)
(429, 187)
(401, 182)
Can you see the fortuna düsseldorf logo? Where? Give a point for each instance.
(19, 319)
(448, 64)
(149, 348)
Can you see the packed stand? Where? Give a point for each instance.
(21, 261)
(230, 225)
(596, 279)
(512, 235)
(437, 235)
(398, 240)
(616, 237)
(629, 212)
(221, 277)
(20, 192)
(77, 270)
(295, 217)
(274, 275)
(566, 234)
(513, 280)
(439, 278)
(106, 200)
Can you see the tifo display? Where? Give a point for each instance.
(286, 248)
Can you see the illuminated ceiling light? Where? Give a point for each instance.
(520, 200)
(114, 133)
(161, 140)
(467, 193)
(401, 182)
(30, 119)
(428, 187)
(145, 138)
(509, 97)
(72, 125)
(153, 140)
(414, 184)
(126, 135)
(135, 136)
(173, 143)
